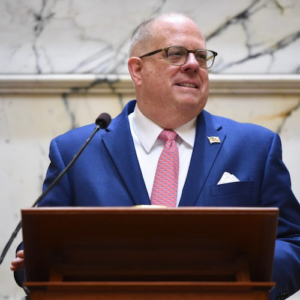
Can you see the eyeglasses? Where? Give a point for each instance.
(177, 56)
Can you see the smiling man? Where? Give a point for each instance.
(171, 89)
(165, 149)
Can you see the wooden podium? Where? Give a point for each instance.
(149, 253)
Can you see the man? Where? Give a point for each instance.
(120, 167)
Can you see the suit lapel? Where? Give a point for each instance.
(120, 147)
(203, 157)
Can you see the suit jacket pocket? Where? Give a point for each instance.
(240, 187)
(235, 194)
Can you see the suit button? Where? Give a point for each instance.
(282, 296)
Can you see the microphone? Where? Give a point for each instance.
(101, 122)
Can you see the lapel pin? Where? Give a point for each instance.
(214, 139)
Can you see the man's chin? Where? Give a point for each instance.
(191, 104)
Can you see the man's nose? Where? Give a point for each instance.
(191, 64)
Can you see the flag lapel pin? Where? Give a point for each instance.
(214, 139)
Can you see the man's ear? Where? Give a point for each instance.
(135, 66)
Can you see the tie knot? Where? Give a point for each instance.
(167, 135)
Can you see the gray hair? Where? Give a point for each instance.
(144, 33)
(141, 35)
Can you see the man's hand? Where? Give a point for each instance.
(18, 262)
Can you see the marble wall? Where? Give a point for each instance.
(76, 37)
(62, 62)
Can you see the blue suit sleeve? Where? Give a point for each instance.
(61, 194)
(276, 192)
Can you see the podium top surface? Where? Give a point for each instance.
(146, 209)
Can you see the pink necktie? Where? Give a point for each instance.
(164, 191)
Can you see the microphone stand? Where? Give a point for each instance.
(101, 123)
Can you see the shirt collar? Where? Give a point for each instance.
(147, 131)
(187, 132)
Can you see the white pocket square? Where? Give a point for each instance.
(227, 178)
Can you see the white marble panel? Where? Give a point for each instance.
(74, 36)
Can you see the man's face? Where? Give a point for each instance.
(167, 89)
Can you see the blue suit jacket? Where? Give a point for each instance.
(108, 174)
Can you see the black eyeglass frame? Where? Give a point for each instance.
(188, 52)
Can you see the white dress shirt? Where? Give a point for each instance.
(148, 147)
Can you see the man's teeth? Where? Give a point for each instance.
(187, 85)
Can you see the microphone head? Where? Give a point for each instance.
(103, 120)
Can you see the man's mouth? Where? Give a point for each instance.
(190, 85)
